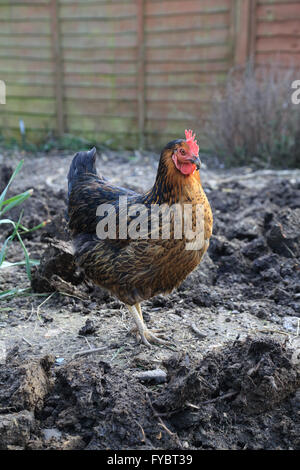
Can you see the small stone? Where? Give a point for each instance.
(51, 433)
(157, 376)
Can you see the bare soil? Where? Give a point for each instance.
(232, 376)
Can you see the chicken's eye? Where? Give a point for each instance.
(182, 152)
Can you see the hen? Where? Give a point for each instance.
(116, 241)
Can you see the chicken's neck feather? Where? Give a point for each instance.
(171, 186)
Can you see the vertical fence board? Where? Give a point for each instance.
(141, 70)
(56, 48)
(252, 31)
(242, 31)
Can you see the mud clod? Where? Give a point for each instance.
(16, 429)
(89, 328)
(24, 385)
(56, 262)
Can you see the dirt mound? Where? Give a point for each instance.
(243, 373)
(242, 396)
(234, 398)
(255, 245)
(24, 386)
(105, 406)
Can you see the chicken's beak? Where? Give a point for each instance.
(196, 160)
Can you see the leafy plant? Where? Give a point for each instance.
(18, 228)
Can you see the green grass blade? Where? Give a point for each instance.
(5, 206)
(8, 240)
(8, 264)
(28, 230)
(3, 250)
(27, 259)
(7, 221)
(12, 292)
(13, 198)
(11, 237)
(3, 194)
(15, 201)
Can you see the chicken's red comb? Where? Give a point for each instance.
(191, 141)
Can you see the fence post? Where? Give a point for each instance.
(57, 58)
(244, 28)
(141, 71)
(253, 17)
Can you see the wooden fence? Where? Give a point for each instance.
(131, 72)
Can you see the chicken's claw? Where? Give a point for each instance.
(142, 331)
(148, 337)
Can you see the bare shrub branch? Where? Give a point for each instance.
(255, 121)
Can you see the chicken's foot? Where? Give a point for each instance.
(146, 335)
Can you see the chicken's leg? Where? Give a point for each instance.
(139, 309)
(146, 335)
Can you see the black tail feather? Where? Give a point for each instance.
(83, 162)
